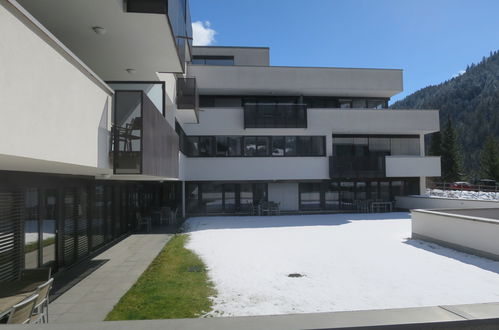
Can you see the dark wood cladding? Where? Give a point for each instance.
(160, 143)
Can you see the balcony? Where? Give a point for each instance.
(372, 166)
(259, 115)
(188, 99)
(412, 166)
(143, 143)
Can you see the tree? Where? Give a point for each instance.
(451, 159)
(489, 159)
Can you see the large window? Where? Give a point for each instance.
(254, 146)
(275, 115)
(310, 196)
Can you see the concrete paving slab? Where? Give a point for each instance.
(93, 298)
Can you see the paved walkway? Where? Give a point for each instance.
(94, 297)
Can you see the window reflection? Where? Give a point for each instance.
(49, 227)
(31, 228)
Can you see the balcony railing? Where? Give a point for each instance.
(187, 94)
(268, 115)
(142, 140)
(372, 166)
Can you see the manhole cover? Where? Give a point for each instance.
(195, 269)
(295, 275)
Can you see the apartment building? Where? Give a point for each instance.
(88, 105)
(311, 139)
(109, 111)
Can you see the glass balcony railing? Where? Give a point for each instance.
(275, 115)
(187, 94)
(372, 166)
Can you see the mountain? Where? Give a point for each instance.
(471, 100)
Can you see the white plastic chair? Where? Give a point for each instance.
(21, 313)
(41, 310)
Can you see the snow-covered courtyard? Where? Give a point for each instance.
(348, 262)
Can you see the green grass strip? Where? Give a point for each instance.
(175, 285)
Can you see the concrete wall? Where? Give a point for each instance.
(421, 202)
(285, 193)
(466, 233)
(242, 55)
(52, 109)
(265, 80)
(404, 166)
(255, 168)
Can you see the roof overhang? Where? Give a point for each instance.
(277, 80)
(142, 42)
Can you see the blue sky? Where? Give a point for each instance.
(431, 40)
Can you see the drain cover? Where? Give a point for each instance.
(195, 269)
(295, 275)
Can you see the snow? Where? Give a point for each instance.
(349, 262)
(462, 194)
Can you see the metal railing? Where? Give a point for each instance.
(275, 115)
(372, 166)
(463, 190)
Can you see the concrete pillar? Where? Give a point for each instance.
(183, 199)
(422, 185)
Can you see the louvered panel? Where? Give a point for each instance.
(82, 224)
(10, 235)
(68, 235)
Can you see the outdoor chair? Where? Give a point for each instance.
(264, 207)
(274, 208)
(143, 221)
(41, 311)
(36, 274)
(165, 214)
(21, 313)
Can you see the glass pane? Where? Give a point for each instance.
(222, 146)
(398, 188)
(192, 195)
(304, 145)
(278, 146)
(212, 198)
(344, 104)
(384, 191)
(48, 227)
(206, 147)
(31, 228)
(193, 146)
(290, 146)
(347, 195)
(82, 221)
(332, 196)
(262, 146)
(259, 192)
(246, 196)
(361, 193)
(250, 146)
(229, 197)
(318, 147)
(379, 144)
(234, 145)
(310, 196)
(374, 190)
(375, 104)
(69, 227)
(359, 104)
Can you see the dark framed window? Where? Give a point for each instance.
(206, 146)
(262, 146)
(310, 196)
(304, 145)
(249, 146)
(291, 146)
(278, 146)
(212, 60)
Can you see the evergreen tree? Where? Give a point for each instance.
(489, 159)
(451, 160)
(435, 145)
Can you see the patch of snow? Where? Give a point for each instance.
(462, 194)
(348, 262)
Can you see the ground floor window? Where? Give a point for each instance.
(344, 194)
(213, 197)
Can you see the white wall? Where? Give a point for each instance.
(420, 202)
(265, 80)
(285, 193)
(477, 234)
(255, 168)
(404, 166)
(51, 109)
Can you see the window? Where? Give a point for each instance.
(262, 146)
(310, 196)
(250, 146)
(290, 146)
(345, 104)
(212, 197)
(206, 146)
(222, 146)
(332, 196)
(376, 104)
(31, 228)
(278, 146)
(359, 103)
(304, 145)
(275, 115)
(212, 60)
(234, 145)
